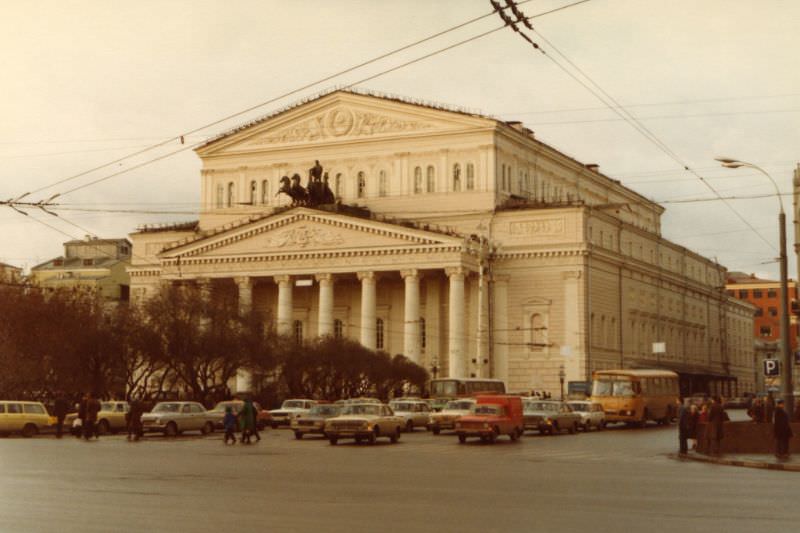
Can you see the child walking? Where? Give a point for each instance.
(229, 421)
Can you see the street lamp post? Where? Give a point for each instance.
(561, 376)
(786, 374)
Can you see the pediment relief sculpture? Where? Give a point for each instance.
(305, 236)
(341, 122)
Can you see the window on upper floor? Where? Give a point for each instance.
(757, 293)
(765, 331)
(772, 293)
(382, 183)
(417, 180)
(759, 312)
(503, 177)
(361, 185)
(337, 185)
(231, 195)
(379, 344)
(264, 192)
(253, 192)
(422, 333)
(431, 179)
(743, 293)
(220, 203)
(457, 177)
(731, 292)
(470, 176)
(772, 311)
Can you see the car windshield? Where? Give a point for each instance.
(579, 406)
(540, 406)
(361, 409)
(401, 406)
(167, 407)
(293, 404)
(325, 410)
(485, 409)
(459, 405)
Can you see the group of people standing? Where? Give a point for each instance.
(690, 417)
(771, 411)
(244, 420)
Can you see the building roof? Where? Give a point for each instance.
(6, 266)
(742, 278)
(76, 263)
(91, 240)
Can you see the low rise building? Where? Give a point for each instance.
(95, 264)
(10, 273)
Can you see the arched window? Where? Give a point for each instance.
(503, 178)
(422, 333)
(527, 183)
(337, 185)
(417, 180)
(470, 176)
(382, 183)
(361, 185)
(457, 177)
(220, 196)
(231, 194)
(520, 182)
(338, 329)
(430, 179)
(264, 192)
(298, 331)
(379, 334)
(253, 192)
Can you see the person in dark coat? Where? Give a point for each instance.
(756, 411)
(90, 424)
(134, 420)
(247, 420)
(683, 428)
(782, 431)
(691, 425)
(60, 409)
(716, 418)
(769, 408)
(229, 422)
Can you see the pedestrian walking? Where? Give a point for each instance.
(716, 419)
(90, 424)
(77, 425)
(756, 411)
(229, 422)
(691, 426)
(683, 428)
(134, 420)
(782, 431)
(60, 409)
(247, 420)
(769, 408)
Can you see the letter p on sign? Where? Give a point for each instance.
(771, 367)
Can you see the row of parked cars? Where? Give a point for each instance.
(360, 418)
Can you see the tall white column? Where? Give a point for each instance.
(245, 284)
(285, 304)
(368, 309)
(457, 345)
(411, 338)
(325, 321)
(500, 327)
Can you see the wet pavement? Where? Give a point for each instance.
(615, 480)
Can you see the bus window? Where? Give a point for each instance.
(623, 388)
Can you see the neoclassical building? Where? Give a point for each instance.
(459, 240)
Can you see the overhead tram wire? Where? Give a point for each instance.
(349, 85)
(617, 108)
(181, 137)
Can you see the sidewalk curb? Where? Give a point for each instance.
(788, 467)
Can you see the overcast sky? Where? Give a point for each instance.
(87, 82)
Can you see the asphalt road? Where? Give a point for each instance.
(617, 480)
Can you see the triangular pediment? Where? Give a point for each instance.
(305, 231)
(342, 117)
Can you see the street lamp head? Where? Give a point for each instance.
(726, 160)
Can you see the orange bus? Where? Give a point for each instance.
(636, 396)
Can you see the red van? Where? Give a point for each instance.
(492, 416)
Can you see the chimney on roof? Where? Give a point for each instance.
(594, 167)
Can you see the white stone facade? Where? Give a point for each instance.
(485, 251)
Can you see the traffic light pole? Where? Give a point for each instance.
(786, 348)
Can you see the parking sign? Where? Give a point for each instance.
(771, 367)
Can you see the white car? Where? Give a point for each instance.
(415, 413)
(290, 409)
(173, 418)
(592, 414)
(449, 415)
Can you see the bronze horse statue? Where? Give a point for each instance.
(316, 193)
(294, 190)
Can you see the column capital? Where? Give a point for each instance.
(368, 275)
(458, 271)
(327, 277)
(245, 281)
(410, 273)
(285, 278)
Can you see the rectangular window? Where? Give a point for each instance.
(759, 312)
(773, 311)
(765, 331)
(743, 293)
(731, 293)
(757, 293)
(772, 293)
